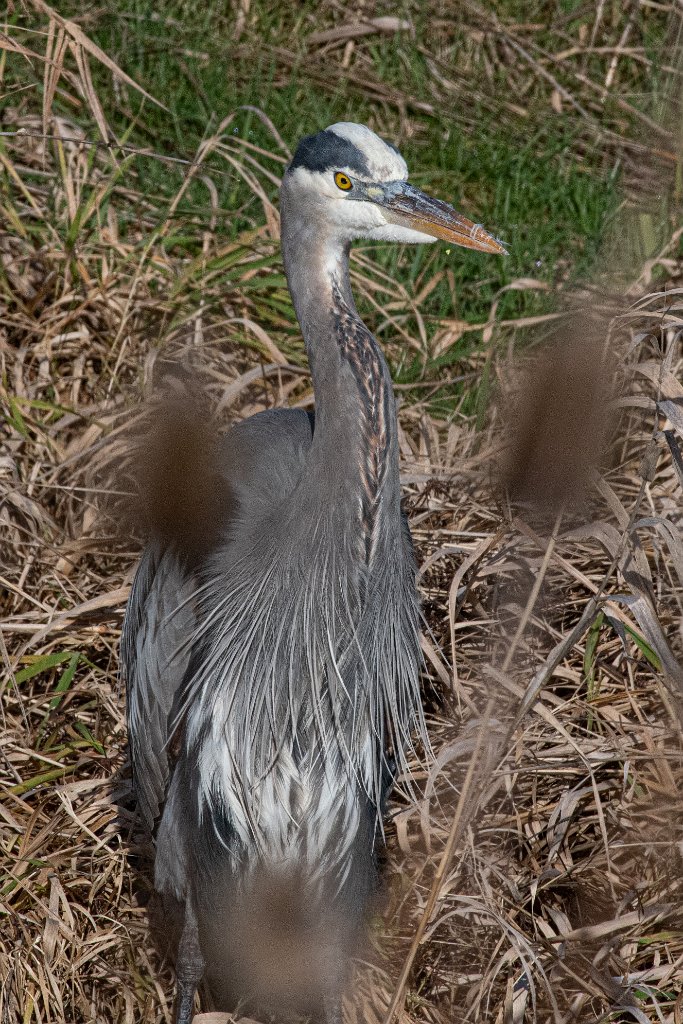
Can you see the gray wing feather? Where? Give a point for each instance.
(262, 459)
(155, 652)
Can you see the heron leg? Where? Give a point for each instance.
(189, 967)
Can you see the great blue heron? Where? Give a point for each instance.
(273, 682)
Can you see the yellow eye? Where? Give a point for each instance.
(342, 181)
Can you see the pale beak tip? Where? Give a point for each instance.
(488, 243)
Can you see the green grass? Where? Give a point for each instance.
(526, 186)
(540, 179)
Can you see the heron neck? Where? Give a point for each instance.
(355, 441)
(317, 269)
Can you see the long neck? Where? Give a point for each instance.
(354, 456)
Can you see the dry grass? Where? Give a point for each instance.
(564, 894)
(539, 878)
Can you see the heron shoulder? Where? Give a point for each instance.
(263, 456)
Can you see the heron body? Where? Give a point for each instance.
(274, 682)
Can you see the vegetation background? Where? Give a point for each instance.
(539, 875)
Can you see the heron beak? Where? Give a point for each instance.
(404, 204)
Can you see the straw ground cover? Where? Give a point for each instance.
(539, 875)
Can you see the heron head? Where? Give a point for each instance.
(348, 181)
